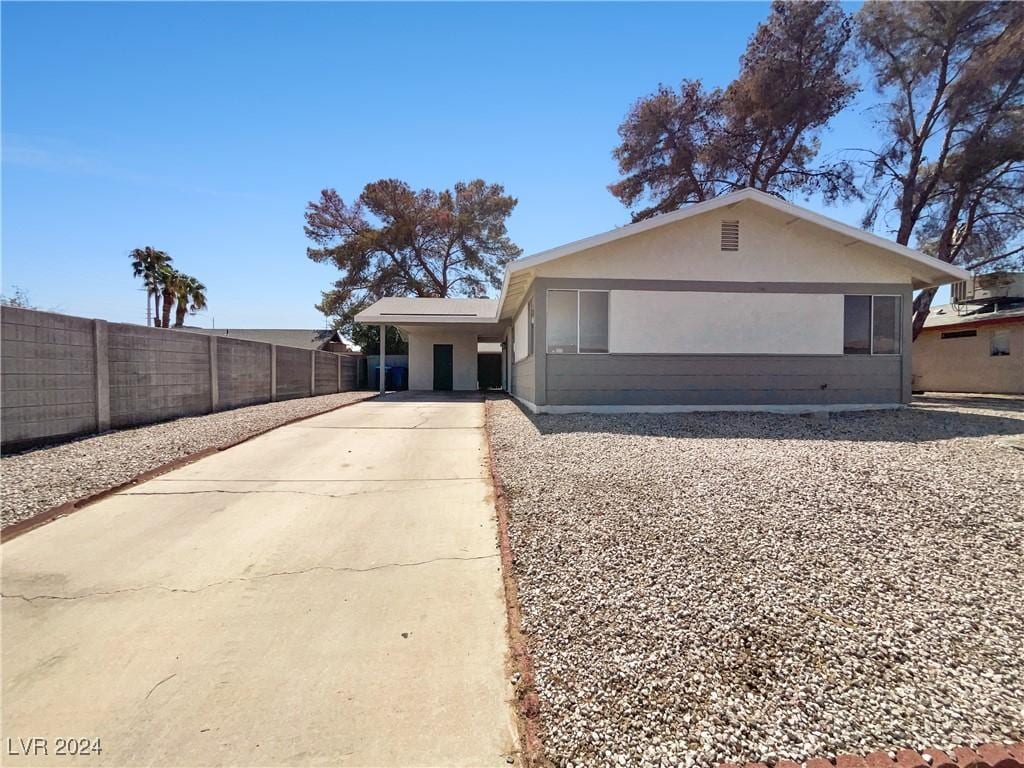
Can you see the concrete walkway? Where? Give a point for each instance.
(326, 594)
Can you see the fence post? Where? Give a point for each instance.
(337, 359)
(101, 349)
(214, 380)
(312, 372)
(273, 373)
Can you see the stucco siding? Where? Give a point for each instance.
(772, 248)
(725, 323)
(421, 357)
(620, 379)
(966, 364)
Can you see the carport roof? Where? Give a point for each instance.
(409, 309)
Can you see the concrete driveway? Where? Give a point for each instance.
(326, 594)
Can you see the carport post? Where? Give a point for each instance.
(383, 332)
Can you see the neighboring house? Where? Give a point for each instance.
(325, 339)
(741, 301)
(975, 344)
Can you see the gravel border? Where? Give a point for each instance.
(699, 588)
(37, 480)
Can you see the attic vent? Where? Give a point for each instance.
(730, 235)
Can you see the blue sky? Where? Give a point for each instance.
(204, 129)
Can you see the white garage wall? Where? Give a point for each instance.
(678, 322)
(521, 339)
(421, 357)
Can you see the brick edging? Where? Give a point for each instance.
(525, 687)
(32, 522)
(988, 755)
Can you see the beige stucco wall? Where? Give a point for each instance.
(966, 365)
(685, 322)
(421, 357)
(770, 250)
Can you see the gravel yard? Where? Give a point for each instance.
(35, 481)
(707, 587)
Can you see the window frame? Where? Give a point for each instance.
(1001, 333)
(579, 305)
(871, 325)
(530, 330)
(899, 335)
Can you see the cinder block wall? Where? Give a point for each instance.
(243, 369)
(156, 374)
(294, 369)
(62, 376)
(48, 373)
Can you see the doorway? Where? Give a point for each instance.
(488, 367)
(443, 367)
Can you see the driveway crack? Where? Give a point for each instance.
(239, 579)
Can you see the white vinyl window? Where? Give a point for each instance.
(577, 321)
(872, 325)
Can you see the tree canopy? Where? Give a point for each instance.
(761, 131)
(951, 166)
(393, 240)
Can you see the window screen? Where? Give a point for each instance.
(857, 325)
(562, 319)
(593, 321)
(886, 326)
(1000, 344)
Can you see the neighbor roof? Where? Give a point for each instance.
(948, 315)
(285, 337)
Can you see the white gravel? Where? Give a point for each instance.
(35, 481)
(707, 587)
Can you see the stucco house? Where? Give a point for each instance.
(741, 302)
(975, 343)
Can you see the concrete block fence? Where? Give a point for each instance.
(991, 755)
(63, 376)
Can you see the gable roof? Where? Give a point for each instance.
(927, 270)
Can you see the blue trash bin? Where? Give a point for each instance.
(387, 377)
(398, 374)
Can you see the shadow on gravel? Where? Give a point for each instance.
(928, 419)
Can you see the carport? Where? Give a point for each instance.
(454, 344)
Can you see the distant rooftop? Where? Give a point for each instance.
(947, 315)
(285, 337)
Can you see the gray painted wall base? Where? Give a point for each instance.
(790, 409)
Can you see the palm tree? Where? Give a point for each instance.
(147, 263)
(191, 297)
(168, 280)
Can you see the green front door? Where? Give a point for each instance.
(443, 367)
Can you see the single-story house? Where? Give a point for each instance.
(744, 301)
(976, 343)
(324, 339)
